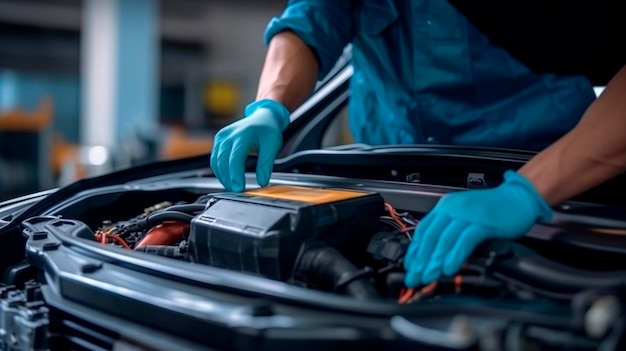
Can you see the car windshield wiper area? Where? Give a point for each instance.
(449, 166)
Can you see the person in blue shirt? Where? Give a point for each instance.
(424, 74)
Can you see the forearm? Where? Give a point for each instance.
(290, 71)
(593, 152)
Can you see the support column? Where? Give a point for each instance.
(119, 79)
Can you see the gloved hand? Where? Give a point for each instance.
(460, 221)
(261, 129)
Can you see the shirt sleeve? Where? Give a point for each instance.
(325, 26)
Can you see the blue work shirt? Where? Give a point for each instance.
(424, 74)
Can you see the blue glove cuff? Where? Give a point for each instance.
(514, 178)
(278, 109)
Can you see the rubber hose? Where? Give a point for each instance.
(529, 267)
(160, 217)
(166, 233)
(154, 219)
(326, 266)
(186, 208)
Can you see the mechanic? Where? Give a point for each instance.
(423, 74)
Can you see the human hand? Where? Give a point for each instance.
(261, 129)
(460, 221)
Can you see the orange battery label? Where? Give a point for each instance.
(315, 196)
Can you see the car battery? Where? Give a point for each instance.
(262, 231)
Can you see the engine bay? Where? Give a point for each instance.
(341, 241)
(308, 240)
(336, 240)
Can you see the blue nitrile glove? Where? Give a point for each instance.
(261, 129)
(460, 221)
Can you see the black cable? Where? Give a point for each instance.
(204, 199)
(474, 281)
(405, 216)
(164, 216)
(389, 268)
(474, 267)
(185, 208)
(389, 221)
(516, 286)
(155, 218)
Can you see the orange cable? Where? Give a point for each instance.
(118, 239)
(406, 295)
(458, 281)
(394, 216)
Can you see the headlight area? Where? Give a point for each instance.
(333, 241)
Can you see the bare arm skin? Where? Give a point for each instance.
(290, 71)
(591, 153)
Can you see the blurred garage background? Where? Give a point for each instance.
(89, 86)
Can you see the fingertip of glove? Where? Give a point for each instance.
(263, 182)
(411, 280)
(263, 175)
(430, 274)
(237, 183)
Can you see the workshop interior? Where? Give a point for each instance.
(87, 87)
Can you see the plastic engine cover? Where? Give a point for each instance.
(261, 231)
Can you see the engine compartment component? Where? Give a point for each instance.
(23, 318)
(263, 231)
